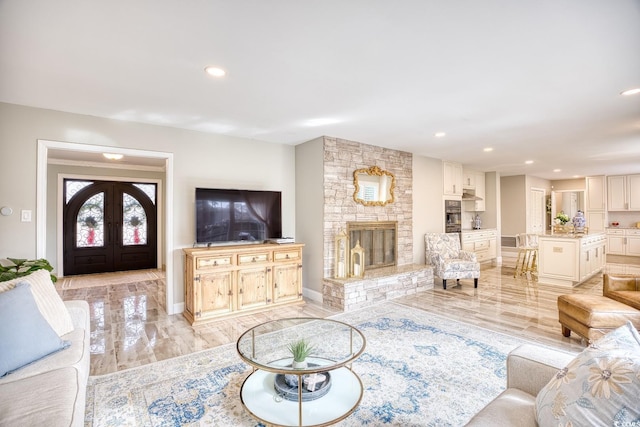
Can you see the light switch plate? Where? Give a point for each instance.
(25, 216)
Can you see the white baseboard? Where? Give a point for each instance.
(178, 308)
(312, 295)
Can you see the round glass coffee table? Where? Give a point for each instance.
(330, 391)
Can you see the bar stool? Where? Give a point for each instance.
(527, 261)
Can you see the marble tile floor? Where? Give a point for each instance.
(130, 328)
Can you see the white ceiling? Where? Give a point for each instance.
(534, 80)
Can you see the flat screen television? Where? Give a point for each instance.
(237, 215)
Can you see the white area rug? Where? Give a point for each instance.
(418, 369)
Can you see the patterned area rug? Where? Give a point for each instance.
(418, 369)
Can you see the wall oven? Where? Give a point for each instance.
(453, 216)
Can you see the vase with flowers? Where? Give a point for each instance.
(562, 218)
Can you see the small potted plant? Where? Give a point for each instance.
(300, 350)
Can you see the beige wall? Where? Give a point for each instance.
(569, 184)
(515, 202)
(309, 213)
(428, 207)
(200, 160)
(513, 205)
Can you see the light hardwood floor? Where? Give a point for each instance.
(129, 328)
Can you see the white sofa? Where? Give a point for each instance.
(529, 369)
(52, 391)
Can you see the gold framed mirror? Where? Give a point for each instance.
(374, 186)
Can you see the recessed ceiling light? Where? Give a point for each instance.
(112, 156)
(576, 176)
(557, 170)
(215, 71)
(630, 91)
(528, 162)
(488, 149)
(439, 134)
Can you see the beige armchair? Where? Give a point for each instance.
(449, 261)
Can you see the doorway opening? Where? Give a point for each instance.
(165, 216)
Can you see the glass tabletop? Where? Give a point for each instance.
(333, 344)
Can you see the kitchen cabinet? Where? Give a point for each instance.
(592, 256)
(452, 178)
(596, 195)
(623, 241)
(596, 221)
(595, 204)
(478, 190)
(568, 260)
(469, 179)
(482, 242)
(228, 280)
(623, 193)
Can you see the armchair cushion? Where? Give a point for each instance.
(468, 256)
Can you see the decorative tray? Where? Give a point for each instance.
(314, 385)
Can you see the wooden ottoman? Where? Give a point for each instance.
(592, 316)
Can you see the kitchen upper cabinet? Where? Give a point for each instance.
(469, 179)
(596, 221)
(452, 178)
(595, 209)
(633, 184)
(623, 193)
(596, 196)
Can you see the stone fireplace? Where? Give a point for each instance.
(386, 232)
(379, 240)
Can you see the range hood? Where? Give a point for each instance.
(469, 196)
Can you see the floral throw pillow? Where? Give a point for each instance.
(600, 387)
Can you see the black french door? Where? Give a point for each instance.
(109, 226)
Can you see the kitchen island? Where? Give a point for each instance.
(570, 259)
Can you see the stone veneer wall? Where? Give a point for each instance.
(383, 285)
(341, 158)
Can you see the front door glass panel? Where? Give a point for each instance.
(134, 218)
(90, 222)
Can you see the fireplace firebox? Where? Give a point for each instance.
(379, 240)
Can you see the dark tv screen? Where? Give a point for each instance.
(237, 215)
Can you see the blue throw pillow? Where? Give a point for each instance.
(25, 336)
